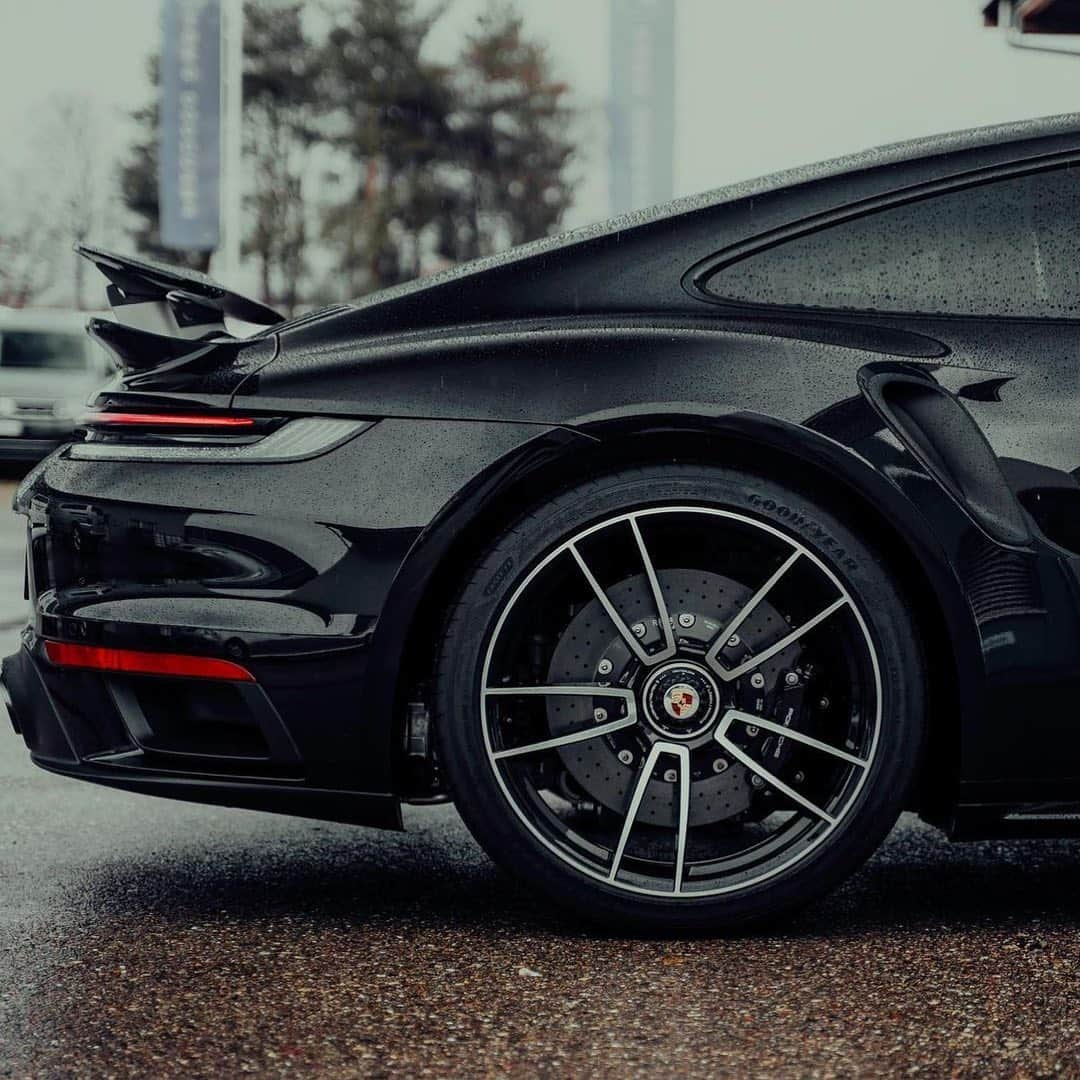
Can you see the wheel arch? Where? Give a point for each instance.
(752, 442)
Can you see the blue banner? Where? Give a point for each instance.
(189, 158)
(642, 143)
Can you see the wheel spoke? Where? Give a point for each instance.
(566, 740)
(644, 777)
(682, 826)
(729, 674)
(658, 596)
(683, 754)
(629, 720)
(796, 736)
(564, 690)
(770, 778)
(625, 632)
(748, 609)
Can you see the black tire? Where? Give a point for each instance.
(484, 803)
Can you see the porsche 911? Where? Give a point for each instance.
(682, 553)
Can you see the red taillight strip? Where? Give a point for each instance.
(133, 662)
(191, 420)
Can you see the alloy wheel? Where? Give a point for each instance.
(681, 701)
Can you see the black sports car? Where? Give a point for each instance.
(683, 552)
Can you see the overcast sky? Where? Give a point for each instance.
(762, 84)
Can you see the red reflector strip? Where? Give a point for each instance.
(133, 662)
(191, 420)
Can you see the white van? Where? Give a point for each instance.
(48, 369)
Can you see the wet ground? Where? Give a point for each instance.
(144, 938)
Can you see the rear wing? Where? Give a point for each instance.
(165, 314)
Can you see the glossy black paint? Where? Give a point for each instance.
(500, 382)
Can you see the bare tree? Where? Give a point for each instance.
(62, 195)
(29, 238)
(75, 147)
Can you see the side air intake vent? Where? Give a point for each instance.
(998, 582)
(941, 435)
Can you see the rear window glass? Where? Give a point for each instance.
(1005, 248)
(42, 350)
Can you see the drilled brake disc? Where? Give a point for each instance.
(606, 769)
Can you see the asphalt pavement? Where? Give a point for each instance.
(148, 938)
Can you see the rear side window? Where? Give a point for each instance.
(1007, 248)
(42, 350)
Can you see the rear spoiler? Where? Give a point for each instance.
(165, 314)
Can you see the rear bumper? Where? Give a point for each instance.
(180, 738)
(313, 575)
(234, 565)
(241, 565)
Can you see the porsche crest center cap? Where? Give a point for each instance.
(681, 701)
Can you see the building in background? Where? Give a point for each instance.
(1050, 25)
(642, 141)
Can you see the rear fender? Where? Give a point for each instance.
(408, 634)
